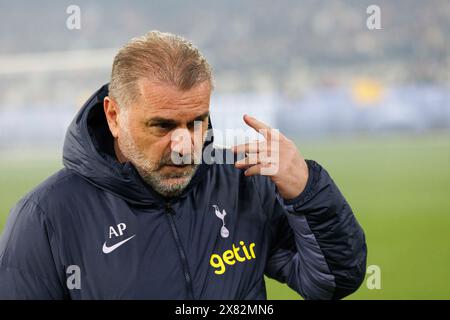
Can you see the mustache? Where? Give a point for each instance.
(175, 159)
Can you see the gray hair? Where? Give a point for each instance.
(163, 57)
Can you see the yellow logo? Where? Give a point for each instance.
(230, 257)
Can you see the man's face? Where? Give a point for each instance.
(158, 129)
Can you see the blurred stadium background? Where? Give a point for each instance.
(372, 106)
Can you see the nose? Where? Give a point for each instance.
(181, 142)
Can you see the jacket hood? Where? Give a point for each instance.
(88, 150)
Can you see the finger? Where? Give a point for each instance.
(253, 170)
(253, 159)
(243, 165)
(259, 126)
(250, 160)
(261, 169)
(252, 147)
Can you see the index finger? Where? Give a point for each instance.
(259, 126)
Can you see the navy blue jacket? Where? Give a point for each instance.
(97, 220)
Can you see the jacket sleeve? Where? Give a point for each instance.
(27, 268)
(317, 246)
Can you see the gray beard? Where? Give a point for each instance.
(150, 172)
(156, 181)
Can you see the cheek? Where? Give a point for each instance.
(204, 131)
(153, 147)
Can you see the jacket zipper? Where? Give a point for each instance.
(187, 276)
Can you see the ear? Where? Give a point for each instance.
(111, 109)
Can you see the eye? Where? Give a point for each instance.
(190, 125)
(164, 126)
(161, 128)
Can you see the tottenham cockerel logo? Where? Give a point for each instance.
(221, 215)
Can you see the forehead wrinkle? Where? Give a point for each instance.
(184, 106)
(175, 109)
(167, 95)
(167, 101)
(177, 114)
(162, 101)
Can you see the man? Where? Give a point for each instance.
(135, 215)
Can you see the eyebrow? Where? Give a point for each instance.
(171, 122)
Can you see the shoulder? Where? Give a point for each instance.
(56, 191)
(62, 182)
(29, 216)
